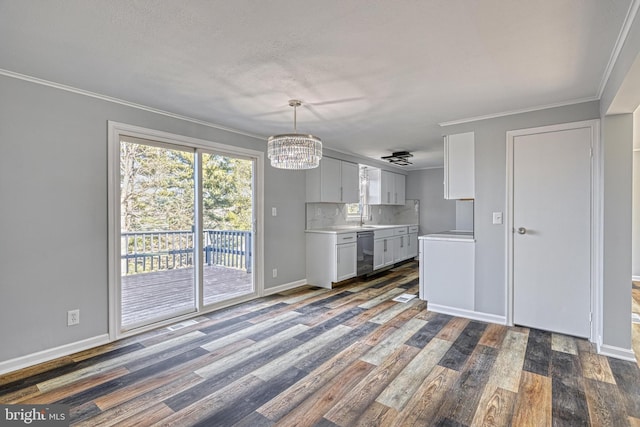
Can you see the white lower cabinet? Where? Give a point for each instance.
(331, 258)
(412, 245)
(383, 252)
(400, 249)
(447, 273)
(390, 245)
(346, 261)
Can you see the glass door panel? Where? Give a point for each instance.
(227, 222)
(157, 244)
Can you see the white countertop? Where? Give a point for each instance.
(451, 235)
(338, 229)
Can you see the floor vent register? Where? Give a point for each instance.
(404, 298)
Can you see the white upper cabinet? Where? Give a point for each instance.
(400, 184)
(330, 183)
(334, 181)
(459, 169)
(386, 188)
(350, 174)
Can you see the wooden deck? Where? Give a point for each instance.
(150, 296)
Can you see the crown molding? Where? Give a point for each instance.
(90, 94)
(622, 37)
(520, 111)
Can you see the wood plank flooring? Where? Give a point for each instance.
(343, 357)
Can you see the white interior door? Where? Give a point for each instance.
(552, 231)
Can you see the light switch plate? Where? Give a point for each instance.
(497, 217)
(274, 211)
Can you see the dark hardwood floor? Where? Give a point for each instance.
(343, 357)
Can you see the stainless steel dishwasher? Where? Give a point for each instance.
(365, 252)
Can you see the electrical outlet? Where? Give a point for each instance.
(73, 317)
(275, 273)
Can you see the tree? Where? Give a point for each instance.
(157, 189)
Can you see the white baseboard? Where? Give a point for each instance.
(285, 287)
(469, 314)
(52, 353)
(617, 352)
(635, 278)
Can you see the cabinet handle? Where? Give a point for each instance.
(396, 198)
(402, 241)
(385, 245)
(341, 194)
(347, 238)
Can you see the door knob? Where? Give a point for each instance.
(522, 230)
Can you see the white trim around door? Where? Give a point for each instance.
(596, 219)
(115, 130)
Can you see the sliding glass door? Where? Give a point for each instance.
(186, 238)
(157, 208)
(227, 222)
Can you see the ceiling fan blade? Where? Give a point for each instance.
(335, 101)
(269, 113)
(313, 111)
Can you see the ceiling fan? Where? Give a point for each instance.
(399, 158)
(310, 106)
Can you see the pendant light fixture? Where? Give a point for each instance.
(294, 150)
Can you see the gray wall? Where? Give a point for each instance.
(618, 145)
(618, 177)
(464, 215)
(436, 213)
(53, 212)
(490, 182)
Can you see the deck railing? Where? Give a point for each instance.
(149, 251)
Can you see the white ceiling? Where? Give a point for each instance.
(375, 76)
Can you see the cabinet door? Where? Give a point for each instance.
(330, 180)
(374, 186)
(399, 185)
(388, 188)
(346, 261)
(378, 253)
(400, 248)
(383, 252)
(350, 182)
(412, 245)
(391, 247)
(459, 169)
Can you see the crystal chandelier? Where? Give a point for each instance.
(294, 150)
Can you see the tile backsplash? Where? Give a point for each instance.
(322, 215)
